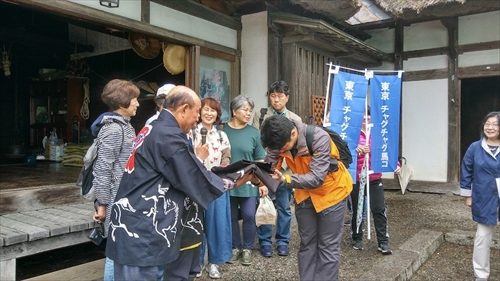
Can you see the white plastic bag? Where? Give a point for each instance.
(266, 213)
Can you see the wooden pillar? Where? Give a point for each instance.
(453, 101)
(192, 72)
(275, 55)
(145, 7)
(8, 269)
(398, 46)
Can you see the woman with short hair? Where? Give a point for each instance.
(245, 144)
(217, 218)
(115, 136)
(480, 186)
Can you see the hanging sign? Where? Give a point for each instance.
(385, 94)
(347, 109)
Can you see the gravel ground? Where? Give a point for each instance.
(407, 214)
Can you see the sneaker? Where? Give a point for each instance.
(213, 271)
(283, 250)
(265, 251)
(347, 222)
(236, 256)
(384, 248)
(246, 257)
(357, 245)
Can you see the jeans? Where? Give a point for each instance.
(109, 271)
(264, 232)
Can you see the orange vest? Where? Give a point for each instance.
(336, 187)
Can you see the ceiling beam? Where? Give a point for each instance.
(34, 40)
(201, 11)
(68, 9)
(483, 46)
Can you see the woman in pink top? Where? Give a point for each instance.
(377, 201)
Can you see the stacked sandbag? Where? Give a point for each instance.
(73, 154)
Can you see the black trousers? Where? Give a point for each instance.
(377, 207)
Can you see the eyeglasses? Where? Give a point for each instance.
(487, 125)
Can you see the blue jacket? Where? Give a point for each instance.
(161, 172)
(479, 169)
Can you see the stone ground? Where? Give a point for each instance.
(408, 215)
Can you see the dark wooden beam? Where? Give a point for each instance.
(399, 46)
(201, 11)
(68, 9)
(425, 53)
(483, 46)
(317, 38)
(463, 72)
(39, 41)
(453, 101)
(389, 23)
(479, 71)
(450, 23)
(421, 75)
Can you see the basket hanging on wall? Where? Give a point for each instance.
(174, 59)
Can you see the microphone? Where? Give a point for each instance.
(203, 132)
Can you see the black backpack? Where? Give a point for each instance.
(342, 146)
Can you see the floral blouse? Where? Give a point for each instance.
(218, 146)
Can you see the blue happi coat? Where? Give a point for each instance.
(145, 228)
(480, 167)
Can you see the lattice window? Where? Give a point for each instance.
(318, 109)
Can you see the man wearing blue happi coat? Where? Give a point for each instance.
(162, 171)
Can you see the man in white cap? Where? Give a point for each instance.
(161, 94)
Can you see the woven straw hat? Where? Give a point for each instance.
(145, 47)
(146, 87)
(173, 59)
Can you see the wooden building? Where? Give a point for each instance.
(448, 49)
(51, 49)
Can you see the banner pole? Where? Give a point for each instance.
(331, 71)
(368, 171)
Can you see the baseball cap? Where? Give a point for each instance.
(165, 89)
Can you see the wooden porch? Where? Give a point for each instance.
(40, 210)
